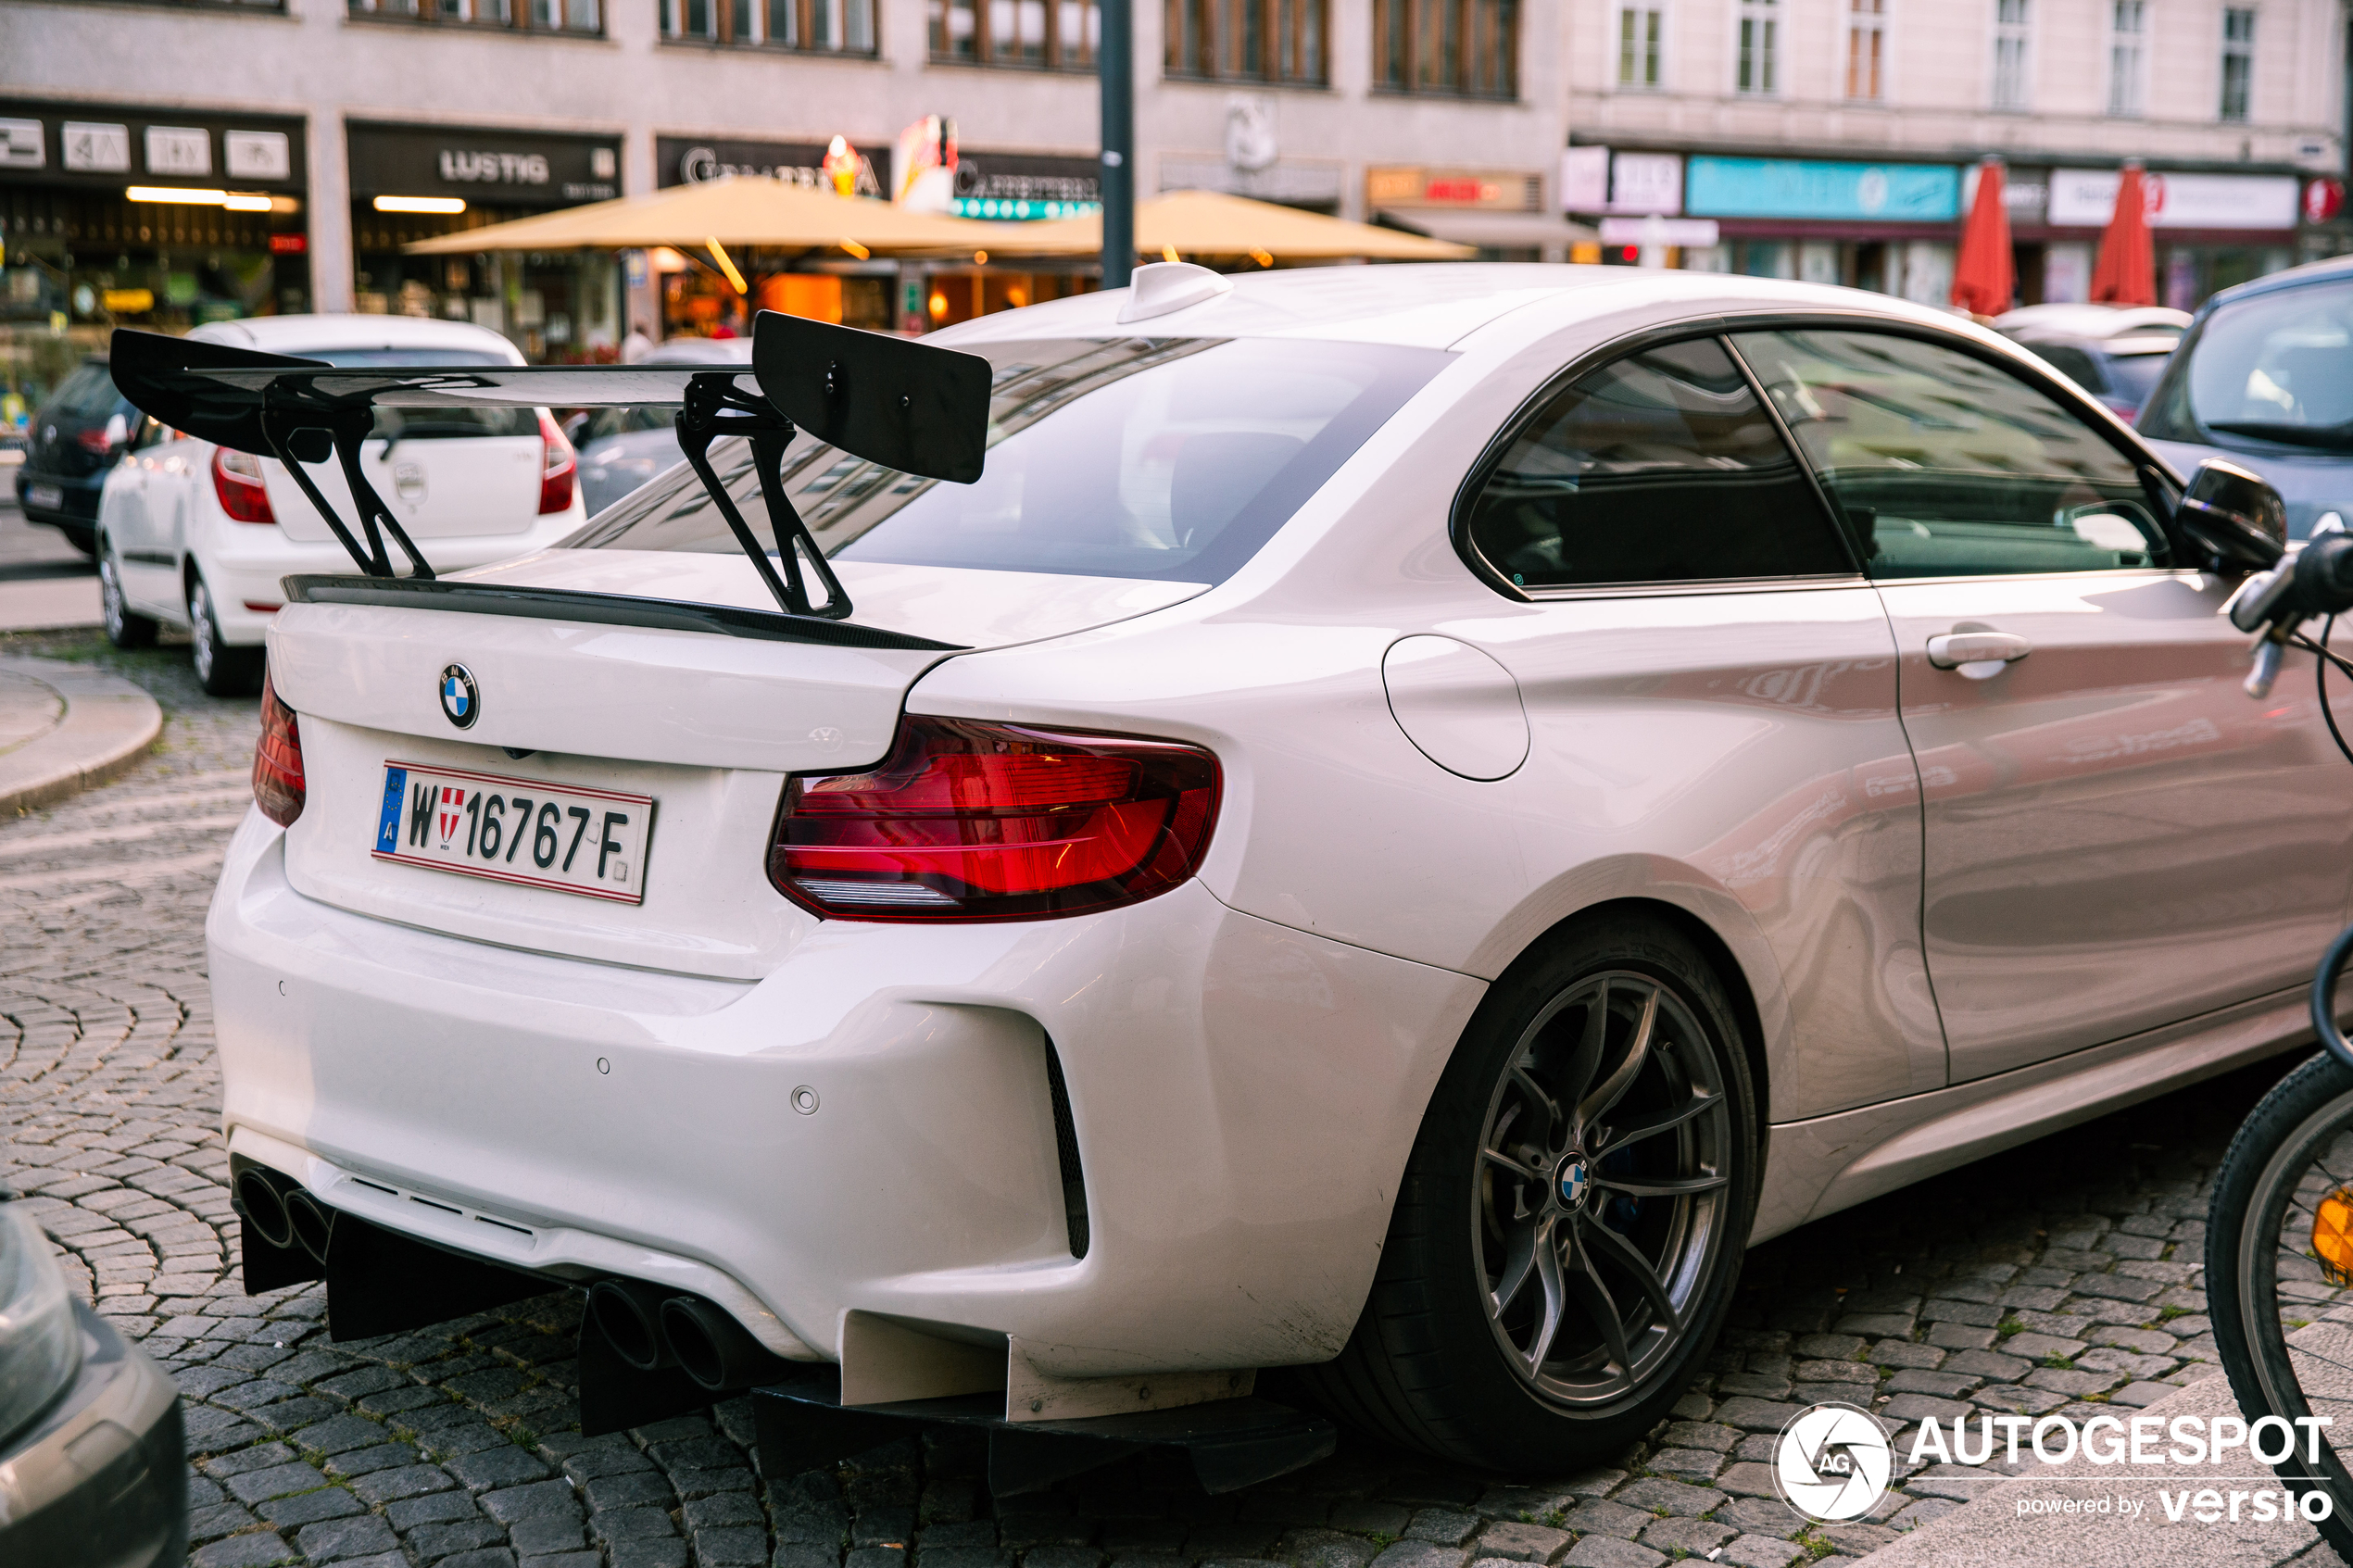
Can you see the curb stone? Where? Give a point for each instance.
(107, 725)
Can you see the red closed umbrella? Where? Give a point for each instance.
(2127, 271)
(1984, 279)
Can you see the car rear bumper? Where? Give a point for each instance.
(77, 507)
(101, 1479)
(870, 1127)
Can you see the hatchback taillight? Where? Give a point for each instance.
(277, 785)
(557, 466)
(237, 478)
(973, 821)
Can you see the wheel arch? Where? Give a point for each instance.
(1747, 1017)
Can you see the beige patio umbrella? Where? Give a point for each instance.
(1210, 223)
(745, 212)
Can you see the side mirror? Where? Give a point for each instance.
(2236, 516)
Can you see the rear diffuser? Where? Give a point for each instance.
(1230, 1443)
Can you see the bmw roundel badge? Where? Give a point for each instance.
(461, 699)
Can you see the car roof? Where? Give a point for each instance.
(296, 335)
(2331, 269)
(700, 351)
(2090, 323)
(1431, 305)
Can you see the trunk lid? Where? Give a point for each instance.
(707, 724)
(442, 488)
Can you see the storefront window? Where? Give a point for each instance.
(225, 234)
(1464, 46)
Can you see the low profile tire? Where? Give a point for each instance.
(222, 671)
(1571, 1223)
(124, 629)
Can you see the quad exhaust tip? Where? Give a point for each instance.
(651, 1328)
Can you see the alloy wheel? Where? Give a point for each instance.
(1603, 1188)
(110, 598)
(200, 626)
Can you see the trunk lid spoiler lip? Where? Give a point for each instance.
(595, 608)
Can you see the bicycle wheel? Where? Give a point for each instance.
(2278, 1276)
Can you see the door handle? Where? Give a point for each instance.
(1956, 650)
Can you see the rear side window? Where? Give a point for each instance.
(2073, 363)
(87, 394)
(433, 424)
(1947, 465)
(1172, 457)
(1660, 468)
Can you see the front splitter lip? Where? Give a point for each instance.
(561, 1253)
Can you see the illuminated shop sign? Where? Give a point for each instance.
(1024, 186)
(502, 168)
(696, 160)
(89, 144)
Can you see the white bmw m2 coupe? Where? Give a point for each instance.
(1399, 820)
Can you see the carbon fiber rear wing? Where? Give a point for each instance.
(908, 406)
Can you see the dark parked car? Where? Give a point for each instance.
(2115, 354)
(92, 1466)
(621, 449)
(74, 439)
(2264, 377)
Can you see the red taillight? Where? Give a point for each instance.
(94, 440)
(277, 785)
(971, 821)
(557, 466)
(237, 478)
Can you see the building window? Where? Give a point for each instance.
(2127, 49)
(1639, 32)
(1040, 34)
(1866, 47)
(2238, 61)
(1250, 40)
(833, 26)
(1465, 47)
(2010, 54)
(579, 17)
(1757, 68)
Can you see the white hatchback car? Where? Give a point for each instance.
(197, 536)
(1408, 816)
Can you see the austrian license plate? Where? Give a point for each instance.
(48, 496)
(564, 836)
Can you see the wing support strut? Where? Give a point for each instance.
(714, 406)
(299, 435)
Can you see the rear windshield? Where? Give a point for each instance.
(88, 394)
(1171, 458)
(2134, 375)
(2276, 367)
(433, 424)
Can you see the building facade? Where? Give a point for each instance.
(389, 120)
(1834, 139)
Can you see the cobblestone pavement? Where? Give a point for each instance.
(2060, 1278)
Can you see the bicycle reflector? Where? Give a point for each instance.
(2332, 1236)
(974, 821)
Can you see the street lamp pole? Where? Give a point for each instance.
(1115, 66)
